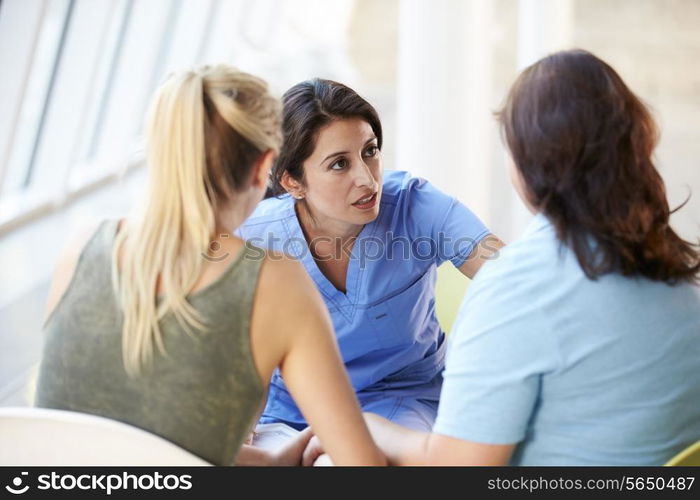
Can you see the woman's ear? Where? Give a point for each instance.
(261, 169)
(292, 186)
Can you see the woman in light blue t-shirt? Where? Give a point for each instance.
(580, 344)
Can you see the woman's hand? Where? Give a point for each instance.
(313, 450)
(290, 454)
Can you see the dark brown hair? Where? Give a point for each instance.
(583, 142)
(307, 107)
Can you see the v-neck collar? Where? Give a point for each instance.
(345, 303)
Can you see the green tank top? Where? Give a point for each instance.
(203, 395)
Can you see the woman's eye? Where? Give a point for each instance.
(339, 164)
(371, 151)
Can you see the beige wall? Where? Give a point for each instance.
(653, 44)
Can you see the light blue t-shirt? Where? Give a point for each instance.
(385, 323)
(579, 372)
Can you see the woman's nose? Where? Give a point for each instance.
(363, 175)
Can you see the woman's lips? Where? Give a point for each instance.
(366, 202)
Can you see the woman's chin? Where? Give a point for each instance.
(365, 216)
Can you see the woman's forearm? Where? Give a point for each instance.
(402, 446)
(253, 456)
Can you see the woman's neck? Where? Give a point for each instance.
(227, 219)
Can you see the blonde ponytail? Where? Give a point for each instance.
(164, 243)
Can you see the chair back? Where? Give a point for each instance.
(39, 436)
(688, 457)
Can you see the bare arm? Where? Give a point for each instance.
(404, 446)
(301, 332)
(486, 250)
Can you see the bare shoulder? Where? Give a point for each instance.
(67, 262)
(287, 306)
(285, 279)
(286, 288)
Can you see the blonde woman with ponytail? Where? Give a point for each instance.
(166, 321)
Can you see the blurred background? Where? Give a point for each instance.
(77, 76)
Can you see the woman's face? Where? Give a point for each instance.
(343, 176)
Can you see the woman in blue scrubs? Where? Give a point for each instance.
(371, 241)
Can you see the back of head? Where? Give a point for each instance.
(205, 129)
(582, 143)
(307, 107)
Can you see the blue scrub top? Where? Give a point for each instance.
(385, 323)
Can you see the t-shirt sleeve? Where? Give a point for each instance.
(498, 351)
(452, 229)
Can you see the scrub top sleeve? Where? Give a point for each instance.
(497, 354)
(461, 231)
(453, 229)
